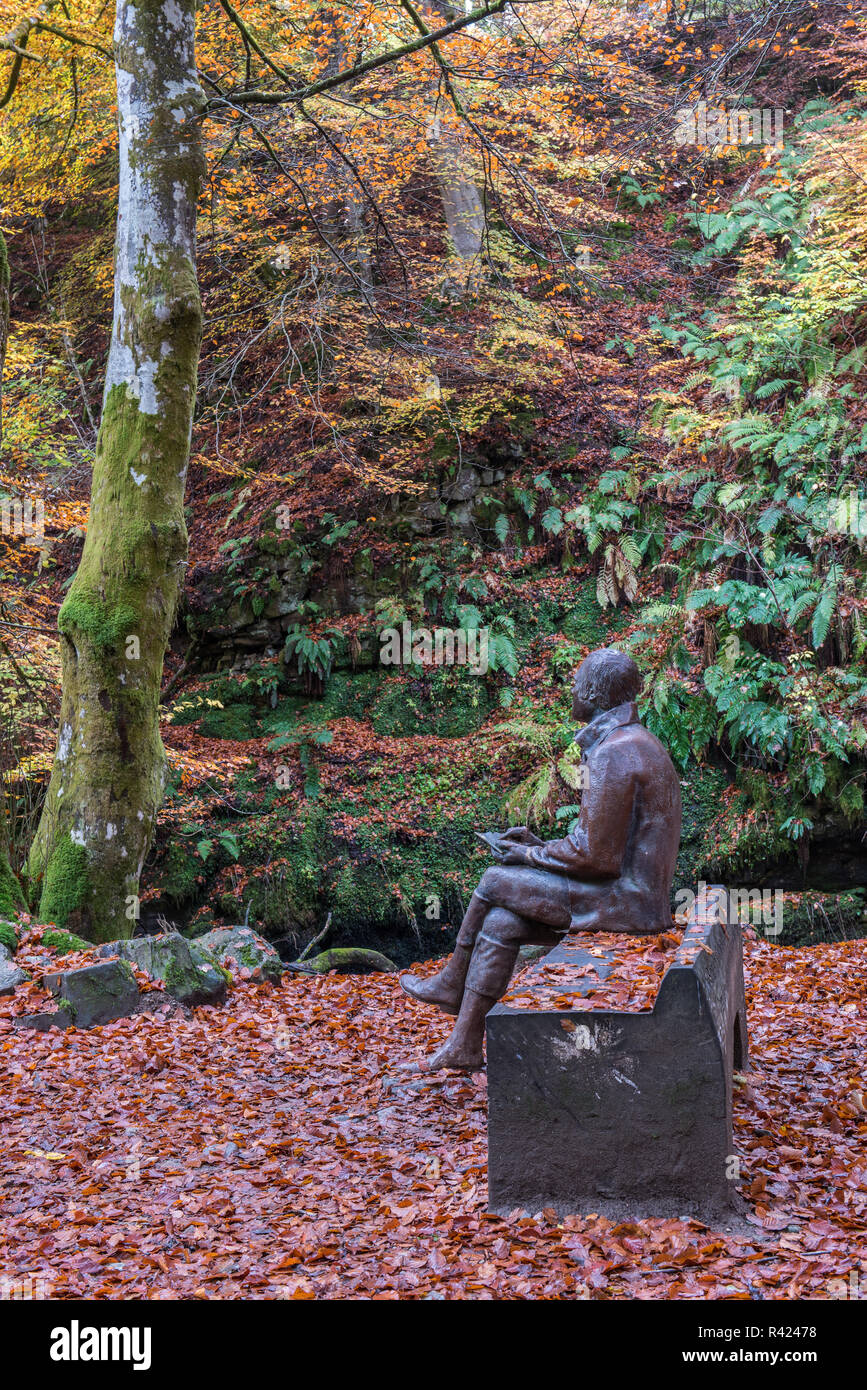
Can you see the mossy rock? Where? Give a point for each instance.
(203, 957)
(96, 993)
(241, 947)
(8, 937)
(169, 957)
(63, 941)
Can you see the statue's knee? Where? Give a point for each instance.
(490, 885)
(504, 927)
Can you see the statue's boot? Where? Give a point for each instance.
(446, 989)
(486, 982)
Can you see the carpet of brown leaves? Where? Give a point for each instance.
(271, 1149)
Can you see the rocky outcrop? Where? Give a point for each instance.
(190, 976)
(11, 975)
(94, 994)
(288, 571)
(240, 948)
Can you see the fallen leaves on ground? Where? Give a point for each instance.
(271, 1149)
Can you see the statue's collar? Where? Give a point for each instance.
(605, 724)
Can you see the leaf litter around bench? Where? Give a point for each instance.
(265, 1150)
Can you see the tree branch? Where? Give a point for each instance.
(359, 69)
(22, 31)
(434, 48)
(73, 38)
(16, 42)
(251, 42)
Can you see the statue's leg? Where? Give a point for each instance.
(491, 967)
(446, 988)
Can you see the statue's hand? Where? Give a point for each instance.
(520, 835)
(519, 854)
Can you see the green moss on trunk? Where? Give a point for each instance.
(11, 897)
(109, 772)
(65, 888)
(8, 937)
(348, 959)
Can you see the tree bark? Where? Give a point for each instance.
(109, 770)
(345, 218)
(463, 208)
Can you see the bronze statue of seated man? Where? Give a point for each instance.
(613, 872)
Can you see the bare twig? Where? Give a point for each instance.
(315, 942)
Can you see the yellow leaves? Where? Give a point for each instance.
(41, 153)
(41, 761)
(36, 426)
(24, 351)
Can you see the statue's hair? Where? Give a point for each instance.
(607, 678)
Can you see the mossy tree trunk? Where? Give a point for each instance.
(109, 769)
(10, 893)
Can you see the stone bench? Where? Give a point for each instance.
(626, 1114)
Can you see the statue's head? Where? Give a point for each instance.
(604, 679)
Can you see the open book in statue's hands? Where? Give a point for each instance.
(493, 840)
(499, 842)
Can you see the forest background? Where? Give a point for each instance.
(553, 329)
